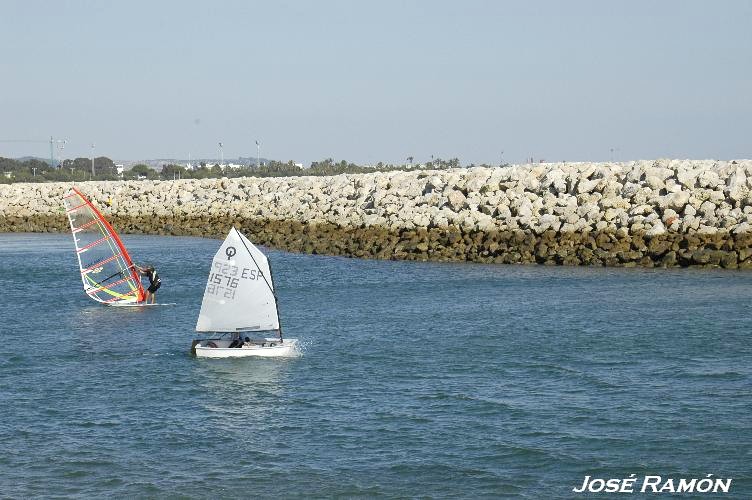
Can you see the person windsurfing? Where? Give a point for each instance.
(154, 282)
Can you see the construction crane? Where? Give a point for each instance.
(52, 142)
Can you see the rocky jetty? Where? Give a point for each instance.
(643, 213)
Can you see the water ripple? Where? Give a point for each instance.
(416, 380)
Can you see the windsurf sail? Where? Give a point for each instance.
(239, 294)
(107, 271)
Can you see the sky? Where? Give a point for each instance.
(482, 81)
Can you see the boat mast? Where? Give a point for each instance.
(271, 287)
(276, 302)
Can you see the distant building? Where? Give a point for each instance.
(120, 168)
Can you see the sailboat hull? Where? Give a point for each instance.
(272, 348)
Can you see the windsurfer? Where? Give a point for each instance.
(154, 282)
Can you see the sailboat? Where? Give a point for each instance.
(239, 301)
(107, 271)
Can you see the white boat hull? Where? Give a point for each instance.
(272, 348)
(140, 304)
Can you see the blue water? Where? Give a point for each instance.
(417, 380)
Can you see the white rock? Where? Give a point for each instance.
(587, 186)
(434, 183)
(503, 212)
(654, 183)
(707, 208)
(555, 180)
(657, 229)
(661, 173)
(737, 185)
(549, 221)
(687, 177)
(709, 179)
(456, 200)
(678, 200)
(629, 189)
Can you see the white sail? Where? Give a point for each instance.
(239, 293)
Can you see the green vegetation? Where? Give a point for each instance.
(71, 170)
(80, 170)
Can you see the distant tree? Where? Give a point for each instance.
(274, 168)
(105, 167)
(39, 165)
(172, 171)
(205, 172)
(326, 165)
(139, 170)
(82, 164)
(79, 169)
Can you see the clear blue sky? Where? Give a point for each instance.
(378, 81)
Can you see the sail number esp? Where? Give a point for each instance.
(225, 278)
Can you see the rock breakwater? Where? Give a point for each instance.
(643, 213)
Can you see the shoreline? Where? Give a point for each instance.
(665, 213)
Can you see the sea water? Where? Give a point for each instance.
(416, 380)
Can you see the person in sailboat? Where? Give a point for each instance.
(154, 282)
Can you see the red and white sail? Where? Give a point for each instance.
(107, 271)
